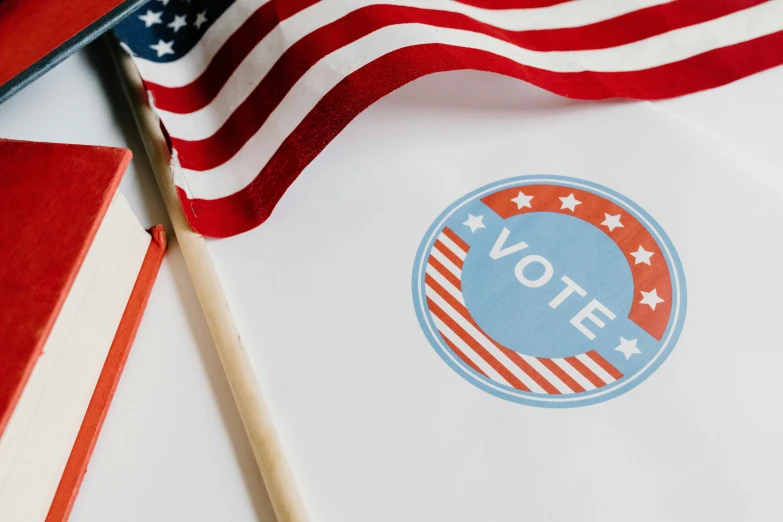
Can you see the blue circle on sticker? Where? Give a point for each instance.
(549, 291)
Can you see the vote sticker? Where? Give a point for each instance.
(549, 291)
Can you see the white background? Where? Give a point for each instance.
(378, 429)
(173, 447)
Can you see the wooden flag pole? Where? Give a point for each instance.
(255, 414)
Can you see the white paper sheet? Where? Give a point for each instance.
(379, 428)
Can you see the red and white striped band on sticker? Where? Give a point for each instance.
(443, 287)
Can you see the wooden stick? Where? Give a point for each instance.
(255, 414)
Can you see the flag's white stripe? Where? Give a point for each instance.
(446, 262)
(442, 281)
(480, 338)
(643, 54)
(595, 368)
(183, 71)
(456, 340)
(574, 374)
(451, 245)
(236, 173)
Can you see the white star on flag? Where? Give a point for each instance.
(178, 23)
(628, 348)
(201, 19)
(569, 202)
(163, 48)
(474, 222)
(522, 200)
(651, 298)
(642, 256)
(164, 2)
(149, 18)
(611, 222)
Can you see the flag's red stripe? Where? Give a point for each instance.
(512, 4)
(480, 350)
(634, 26)
(250, 206)
(584, 370)
(603, 363)
(303, 54)
(563, 376)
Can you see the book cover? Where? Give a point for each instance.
(36, 36)
(53, 198)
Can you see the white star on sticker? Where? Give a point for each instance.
(163, 48)
(628, 348)
(570, 203)
(178, 23)
(642, 256)
(651, 298)
(474, 222)
(149, 18)
(201, 19)
(612, 222)
(522, 200)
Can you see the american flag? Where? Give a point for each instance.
(251, 91)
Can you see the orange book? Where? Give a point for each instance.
(76, 270)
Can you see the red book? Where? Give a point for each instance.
(76, 270)
(35, 36)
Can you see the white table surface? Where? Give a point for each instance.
(172, 447)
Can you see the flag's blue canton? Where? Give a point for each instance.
(165, 30)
